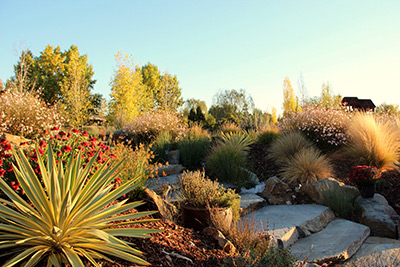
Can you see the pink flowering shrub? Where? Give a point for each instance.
(149, 125)
(25, 114)
(326, 128)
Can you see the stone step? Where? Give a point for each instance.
(167, 170)
(287, 223)
(378, 252)
(156, 184)
(250, 202)
(337, 242)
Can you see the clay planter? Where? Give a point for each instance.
(200, 218)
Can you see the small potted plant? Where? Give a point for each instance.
(365, 177)
(206, 202)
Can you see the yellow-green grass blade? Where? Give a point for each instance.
(131, 232)
(36, 257)
(135, 222)
(72, 257)
(129, 216)
(54, 261)
(20, 257)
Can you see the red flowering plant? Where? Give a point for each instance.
(362, 175)
(63, 145)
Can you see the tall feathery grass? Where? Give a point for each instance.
(287, 145)
(373, 142)
(306, 166)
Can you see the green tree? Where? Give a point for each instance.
(193, 104)
(75, 86)
(129, 97)
(164, 89)
(328, 99)
(98, 105)
(231, 105)
(49, 72)
(24, 78)
(389, 109)
(290, 103)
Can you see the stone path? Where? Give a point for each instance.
(310, 231)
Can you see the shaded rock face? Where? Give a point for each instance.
(276, 192)
(378, 215)
(317, 189)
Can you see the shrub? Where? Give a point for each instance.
(306, 166)
(135, 164)
(326, 128)
(67, 215)
(161, 146)
(193, 147)
(148, 126)
(200, 192)
(286, 146)
(268, 136)
(372, 142)
(228, 159)
(25, 114)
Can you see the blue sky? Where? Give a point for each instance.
(221, 44)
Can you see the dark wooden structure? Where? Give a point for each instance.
(353, 103)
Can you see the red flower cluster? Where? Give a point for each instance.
(364, 175)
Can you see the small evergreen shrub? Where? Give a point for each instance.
(267, 137)
(25, 114)
(286, 145)
(306, 166)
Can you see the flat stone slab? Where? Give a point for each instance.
(337, 242)
(378, 252)
(250, 202)
(287, 223)
(167, 170)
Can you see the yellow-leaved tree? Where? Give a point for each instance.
(129, 96)
(290, 103)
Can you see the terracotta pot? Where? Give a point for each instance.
(367, 190)
(200, 218)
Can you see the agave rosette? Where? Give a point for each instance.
(68, 215)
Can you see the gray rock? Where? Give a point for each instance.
(287, 223)
(166, 209)
(376, 252)
(377, 214)
(167, 170)
(156, 184)
(276, 192)
(173, 157)
(317, 189)
(250, 202)
(337, 242)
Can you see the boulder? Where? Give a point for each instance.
(167, 210)
(317, 189)
(250, 202)
(277, 192)
(378, 215)
(223, 243)
(173, 157)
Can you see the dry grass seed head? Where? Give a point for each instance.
(373, 142)
(287, 145)
(306, 166)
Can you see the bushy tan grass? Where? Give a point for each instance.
(285, 146)
(373, 142)
(306, 166)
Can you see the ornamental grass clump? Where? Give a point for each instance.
(227, 160)
(286, 146)
(373, 142)
(67, 216)
(268, 136)
(193, 147)
(306, 166)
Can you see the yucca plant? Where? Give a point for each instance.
(67, 215)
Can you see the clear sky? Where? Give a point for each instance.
(222, 44)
